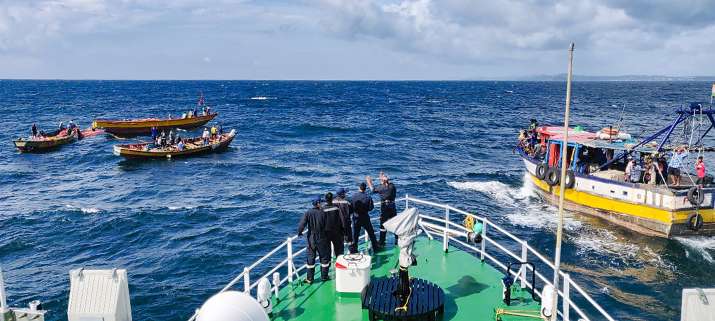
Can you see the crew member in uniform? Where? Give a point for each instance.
(387, 192)
(333, 225)
(346, 212)
(362, 205)
(314, 219)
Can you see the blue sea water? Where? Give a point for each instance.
(183, 228)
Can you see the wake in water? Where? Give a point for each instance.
(526, 209)
(700, 245)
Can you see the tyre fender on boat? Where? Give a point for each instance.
(552, 176)
(570, 179)
(695, 221)
(540, 171)
(696, 195)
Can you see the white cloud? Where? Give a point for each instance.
(469, 32)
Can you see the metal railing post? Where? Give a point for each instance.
(445, 240)
(407, 201)
(524, 259)
(246, 280)
(289, 246)
(3, 300)
(566, 300)
(368, 242)
(484, 239)
(276, 283)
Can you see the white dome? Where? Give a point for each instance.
(231, 306)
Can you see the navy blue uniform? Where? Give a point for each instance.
(334, 228)
(362, 205)
(388, 209)
(314, 219)
(346, 212)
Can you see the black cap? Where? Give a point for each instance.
(363, 186)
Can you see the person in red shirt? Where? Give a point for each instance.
(700, 170)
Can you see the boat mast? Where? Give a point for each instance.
(562, 187)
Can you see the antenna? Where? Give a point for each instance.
(562, 186)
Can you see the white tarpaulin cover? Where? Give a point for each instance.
(404, 225)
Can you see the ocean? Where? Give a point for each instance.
(183, 228)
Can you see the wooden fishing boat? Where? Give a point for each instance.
(193, 146)
(47, 142)
(597, 183)
(138, 127)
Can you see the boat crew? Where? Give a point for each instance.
(180, 146)
(533, 124)
(387, 192)
(700, 171)
(334, 228)
(71, 125)
(346, 212)
(362, 205)
(62, 125)
(213, 132)
(314, 220)
(154, 133)
(34, 130)
(205, 136)
(676, 163)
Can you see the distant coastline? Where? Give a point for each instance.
(562, 77)
(555, 77)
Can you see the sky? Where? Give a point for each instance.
(358, 39)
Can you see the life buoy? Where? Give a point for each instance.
(570, 179)
(696, 195)
(695, 221)
(541, 171)
(552, 176)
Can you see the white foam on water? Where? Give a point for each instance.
(85, 210)
(259, 98)
(526, 209)
(699, 244)
(497, 190)
(603, 241)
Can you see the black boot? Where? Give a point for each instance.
(324, 270)
(382, 238)
(309, 275)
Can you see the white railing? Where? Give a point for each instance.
(450, 232)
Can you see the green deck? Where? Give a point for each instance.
(472, 289)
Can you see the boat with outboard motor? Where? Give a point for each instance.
(49, 141)
(639, 196)
(190, 147)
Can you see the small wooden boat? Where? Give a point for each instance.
(138, 127)
(47, 142)
(192, 146)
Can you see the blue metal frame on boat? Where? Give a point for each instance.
(683, 114)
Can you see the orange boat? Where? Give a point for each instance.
(138, 127)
